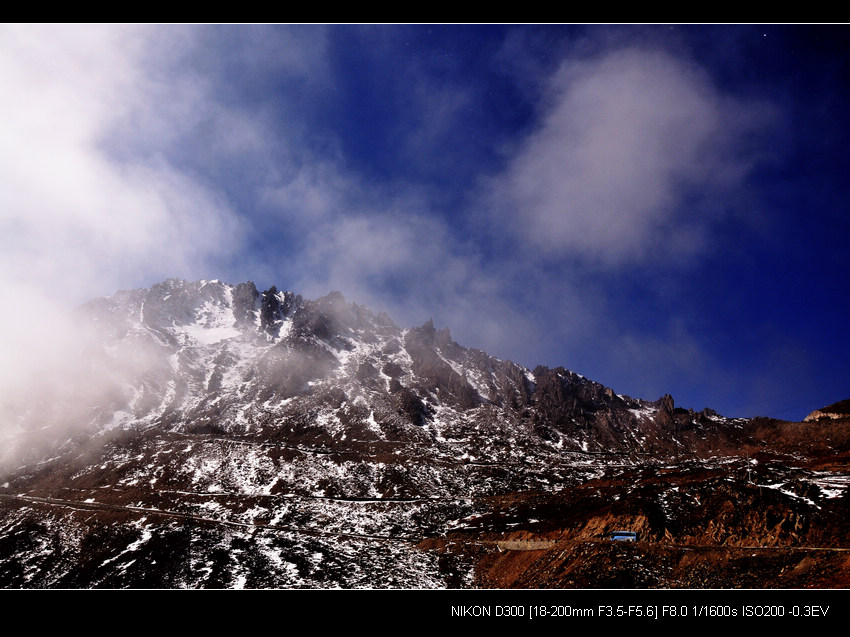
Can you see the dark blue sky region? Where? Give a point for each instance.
(661, 208)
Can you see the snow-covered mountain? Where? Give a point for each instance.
(214, 435)
(208, 355)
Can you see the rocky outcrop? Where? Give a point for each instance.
(432, 354)
(834, 412)
(274, 309)
(245, 297)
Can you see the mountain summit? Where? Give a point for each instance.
(212, 435)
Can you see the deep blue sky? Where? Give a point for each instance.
(663, 209)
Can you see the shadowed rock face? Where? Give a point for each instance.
(245, 297)
(235, 438)
(274, 308)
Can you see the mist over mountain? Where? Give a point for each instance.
(192, 354)
(205, 434)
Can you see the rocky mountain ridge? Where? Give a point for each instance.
(262, 439)
(286, 347)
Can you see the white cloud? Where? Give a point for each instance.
(76, 222)
(68, 210)
(626, 140)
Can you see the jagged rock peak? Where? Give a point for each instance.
(245, 297)
(276, 306)
(429, 335)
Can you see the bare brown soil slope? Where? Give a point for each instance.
(772, 523)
